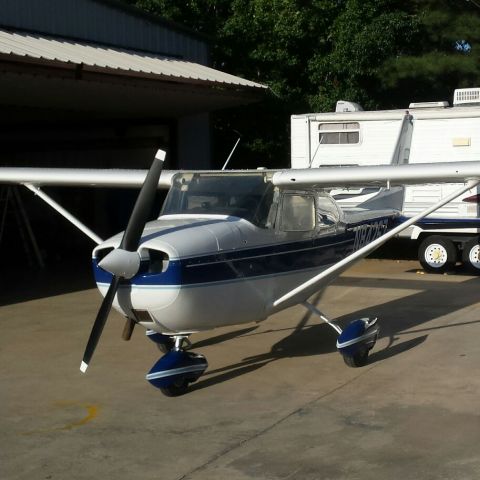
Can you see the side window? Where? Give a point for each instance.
(327, 212)
(298, 213)
(339, 133)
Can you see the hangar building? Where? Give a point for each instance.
(97, 83)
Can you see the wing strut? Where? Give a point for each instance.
(303, 291)
(64, 213)
(317, 312)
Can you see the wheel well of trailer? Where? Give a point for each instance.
(459, 239)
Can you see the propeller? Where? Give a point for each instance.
(124, 261)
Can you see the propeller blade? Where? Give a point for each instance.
(99, 323)
(143, 205)
(124, 261)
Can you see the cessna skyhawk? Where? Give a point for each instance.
(233, 247)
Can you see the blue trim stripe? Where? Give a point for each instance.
(247, 263)
(231, 266)
(444, 222)
(130, 284)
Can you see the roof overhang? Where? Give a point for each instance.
(51, 72)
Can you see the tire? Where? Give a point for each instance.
(360, 359)
(437, 254)
(471, 256)
(180, 387)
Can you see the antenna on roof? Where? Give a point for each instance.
(233, 149)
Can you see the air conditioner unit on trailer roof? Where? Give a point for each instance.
(466, 96)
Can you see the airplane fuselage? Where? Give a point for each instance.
(215, 270)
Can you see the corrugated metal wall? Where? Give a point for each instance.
(103, 22)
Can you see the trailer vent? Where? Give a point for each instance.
(428, 105)
(466, 96)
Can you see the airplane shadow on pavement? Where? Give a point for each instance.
(431, 300)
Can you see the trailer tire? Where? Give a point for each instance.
(471, 255)
(437, 254)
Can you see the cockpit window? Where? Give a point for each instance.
(247, 196)
(298, 213)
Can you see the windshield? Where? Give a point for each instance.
(247, 196)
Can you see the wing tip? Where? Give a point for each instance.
(83, 367)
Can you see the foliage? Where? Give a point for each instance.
(380, 53)
(364, 36)
(446, 55)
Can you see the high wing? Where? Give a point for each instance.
(79, 177)
(322, 177)
(386, 175)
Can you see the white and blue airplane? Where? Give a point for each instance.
(232, 247)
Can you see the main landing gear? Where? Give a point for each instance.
(173, 373)
(355, 341)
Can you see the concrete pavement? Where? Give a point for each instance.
(277, 401)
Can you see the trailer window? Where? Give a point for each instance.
(339, 133)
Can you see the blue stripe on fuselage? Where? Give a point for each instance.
(259, 261)
(244, 263)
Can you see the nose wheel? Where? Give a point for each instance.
(177, 369)
(177, 388)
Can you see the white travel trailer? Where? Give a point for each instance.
(424, 133)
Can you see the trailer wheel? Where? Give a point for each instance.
(471, 255)
(437, 254)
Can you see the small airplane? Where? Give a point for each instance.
(232, 247)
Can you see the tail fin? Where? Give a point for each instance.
(391, 198)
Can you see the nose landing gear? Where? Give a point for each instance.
(177, 368)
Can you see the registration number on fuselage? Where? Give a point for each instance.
(368, 232)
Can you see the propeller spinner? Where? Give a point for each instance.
(124, 261)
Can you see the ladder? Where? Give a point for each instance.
(11, 203)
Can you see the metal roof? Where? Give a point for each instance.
(16, 45)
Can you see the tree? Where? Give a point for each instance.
(272, 42)
(363, 37)
(446, 54)
(380, 53)
(269, 41)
